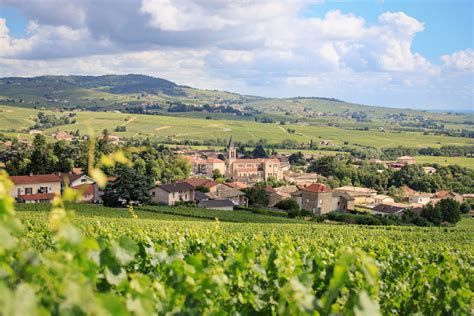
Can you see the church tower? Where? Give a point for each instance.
(231, 157)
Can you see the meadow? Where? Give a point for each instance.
(13, 120)
(115, 262)
(467, 162)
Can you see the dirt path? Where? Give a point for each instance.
(161, 128)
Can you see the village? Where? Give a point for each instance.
(222, 180)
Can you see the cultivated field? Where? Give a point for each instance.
(13, 120)
(156, 263)
(461, 161)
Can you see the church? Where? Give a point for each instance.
(252, 169)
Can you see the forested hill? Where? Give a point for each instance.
(142, 94)
(123, 90)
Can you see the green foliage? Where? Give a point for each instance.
(288, 205)
(256, 195)
(130, 187)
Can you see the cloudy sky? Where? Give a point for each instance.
(400, 53)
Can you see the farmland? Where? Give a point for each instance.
(154, 264)
(467, 162)
(14, 120)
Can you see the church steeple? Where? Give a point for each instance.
(231, 143)
(231, 151)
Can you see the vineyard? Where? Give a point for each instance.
(103, 261)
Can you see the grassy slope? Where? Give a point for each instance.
(162, 127)
(462, 161)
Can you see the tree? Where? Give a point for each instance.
(450, 210)
(465, 207)
(257, 196)
(43, 159)
(432, 214)
(259, 152)
(130, 187)
(446, 210)
(288, 205)
(216, 174)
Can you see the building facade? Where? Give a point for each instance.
(260, 168)
(35, 188)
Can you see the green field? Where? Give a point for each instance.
(467, 162)
(115, 264)
(178, 128)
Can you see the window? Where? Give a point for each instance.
(28, 190)
(185, 196)
(19, 192)
(43, 190)
(152, 193)
(174, 195)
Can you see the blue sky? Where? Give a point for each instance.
(403, 53)
(448, 23)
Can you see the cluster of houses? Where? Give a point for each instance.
(315, 198)
(202, 191)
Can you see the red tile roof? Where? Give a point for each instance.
(236, 185)
(37, 196)
(85, 188)
(317, 188)
(34, 179)
(201, 182)
(214, 160)
(269, 189)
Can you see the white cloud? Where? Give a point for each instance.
(261, 47)
(460, 60)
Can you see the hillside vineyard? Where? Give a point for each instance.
(114, 265)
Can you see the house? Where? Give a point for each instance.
(35, 188)
(87, 190)
(275, 195)
(441, 195)
(302, 179)
(236, 185)
(224, 192)
(224, 205)
(272, 195)
(202, 182)
(319, 199)
(420, 198)
(171, 193)
(362, 196)
(201, 166)
(429, 170)
(60, 135)
(385, 209)
(260, 168)
(382, 198)
(74, 179)
(34, 132)
(406, 160)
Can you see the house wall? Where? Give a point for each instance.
(20, 189)
(419, 199)
(317, 203)
(215, 166)
(159, 195)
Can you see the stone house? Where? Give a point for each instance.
(172, 193)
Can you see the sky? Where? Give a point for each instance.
(403, 53)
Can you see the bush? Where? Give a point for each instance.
(288, 205)
(465, 208)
